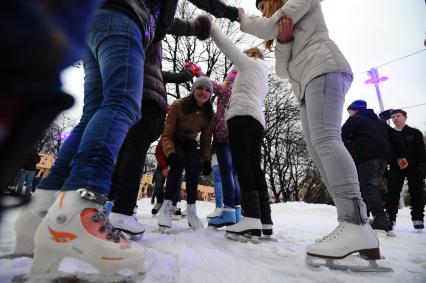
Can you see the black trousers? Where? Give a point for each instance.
(245, 138)
(416, 188)
(370, 174)
(190, 160)
(130, 161)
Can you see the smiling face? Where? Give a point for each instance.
(202, 95)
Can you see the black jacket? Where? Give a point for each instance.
(414, 143)
(154, 17)
(367, 138)
(30, 160)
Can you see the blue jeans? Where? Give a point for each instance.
(321, 116)
(113, 85)
(230, 186)
(27, 177)
(218, 196)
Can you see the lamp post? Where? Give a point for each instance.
(376, 80)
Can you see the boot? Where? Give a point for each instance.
(126, 223)
(418, 225)
(380, 222)
(216, 212)
(108, 207)
(193, 221)
(76, 227)
(247, 225)
(346, 239)
(165, 214)
(226, 218)
(156, 208)
(29, 219)
(267, 230)
(238, 214)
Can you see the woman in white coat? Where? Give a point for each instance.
(320, 77)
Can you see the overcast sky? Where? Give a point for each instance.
(370, 33)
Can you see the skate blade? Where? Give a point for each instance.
(13, 256)
(63, 277)
(243, 238)
(418, 230)
(268, 239)
(331, 264)
(165, 230)
(391, 234)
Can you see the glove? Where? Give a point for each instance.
(200, 27)
(206, 168)
(194, 69)
(174, 160)
(231, 13)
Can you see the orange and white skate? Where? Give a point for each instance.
(76, 227)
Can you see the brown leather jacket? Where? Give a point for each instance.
(183, 126)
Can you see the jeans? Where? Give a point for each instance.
(321, 115)
(25, 176)
(230, 186)
(416, 189)
(370, 174)
(113, 69)
(187, 153)
(217, 186)
(130, 161)
(159, 181)
(245, 138)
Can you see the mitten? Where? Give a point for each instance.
(206, 168)
(174, 160)
(203, 25)
(194, 69)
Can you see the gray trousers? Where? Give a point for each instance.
(321, 115)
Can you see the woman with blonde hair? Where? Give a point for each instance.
(320, 76)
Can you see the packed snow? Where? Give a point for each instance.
(207, 256)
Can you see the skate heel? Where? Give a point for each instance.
(370, 254)
(45, 260)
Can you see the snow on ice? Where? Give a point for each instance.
(206, 256)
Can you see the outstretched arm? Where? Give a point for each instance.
(217, 8)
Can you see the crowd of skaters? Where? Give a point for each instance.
(125, 108)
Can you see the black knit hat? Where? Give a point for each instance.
(357, 104)
(257, 3)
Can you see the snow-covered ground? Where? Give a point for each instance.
(207, 256)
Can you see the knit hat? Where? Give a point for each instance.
(257, 3)
(357, 104)
(231, 75)
(202, 81)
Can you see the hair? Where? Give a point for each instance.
(190, 106)
(399, 111)
(271, 6)
(254, 51)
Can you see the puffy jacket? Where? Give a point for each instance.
(182, 124)
(250, 85)
(311, 53)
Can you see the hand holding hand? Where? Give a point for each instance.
(285, 29)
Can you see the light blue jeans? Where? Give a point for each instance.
(27, 177)
(113, 83)
(321, 115)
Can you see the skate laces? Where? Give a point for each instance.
(112, 233)
(333, 235)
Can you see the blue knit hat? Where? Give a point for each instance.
(357, 104)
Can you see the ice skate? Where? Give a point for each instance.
(193, 221)
(381, 225)
(165, 215)
(267, 232)
(346, 239)
(184, 213)
(247, 230)
(127, 224)
(75, 226)
(176, 213)
(156, 208)
(226, 218)
(29, 219)
(418, 225)
(216, 212)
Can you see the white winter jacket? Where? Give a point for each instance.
(311, 53)
(251, 83)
